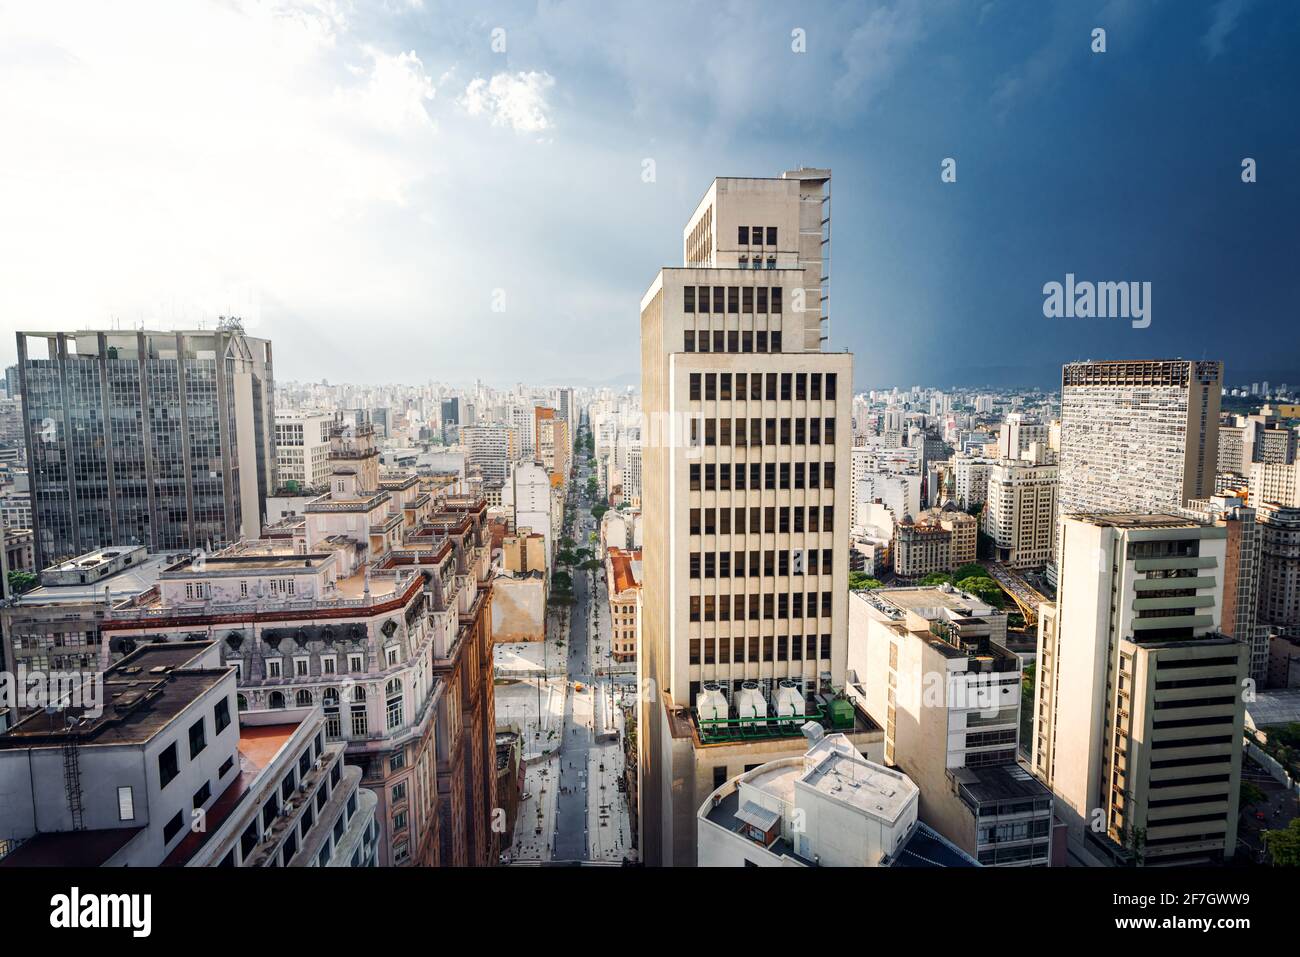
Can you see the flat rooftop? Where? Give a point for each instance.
(142, 694)
(849, 778)
(124, 584)
(1002, 782)
(1134, 520)
(924, 598)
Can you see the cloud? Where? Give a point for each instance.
(395, 92)
(517, 100)
(876, 50)
(1224, 21)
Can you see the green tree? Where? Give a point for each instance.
(598, 510)
(970, 570)
(20, 582)
(860, 581)
(1284, 846)
(936, 578)
(985, 589)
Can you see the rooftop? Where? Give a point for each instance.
(111, 588)
(1134, 520)
(142, 694)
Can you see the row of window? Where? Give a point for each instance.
(769, 607)
(765, 564)
(758, 385)
(767, 520)
(732, 341)
(169, 757)
(767, 431)
(754, 235)
(755, 648)
(732, 299)
(762, 476)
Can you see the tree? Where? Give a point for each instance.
(985, 589)
(860, 581)
(936, 578)
(20, 581)
(970, 570)
(1284, 846)
(598, 510)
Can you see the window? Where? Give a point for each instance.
(771, 235)
(393, 690)
(689, 293)
(248, 840)
(173, 827)
(221, 715)
(743, 239)
(201, 795)
(226, 765)
(198, 739)
(270, 810)
(125, 804)
(167, 765)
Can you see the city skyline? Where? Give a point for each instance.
(417, 167)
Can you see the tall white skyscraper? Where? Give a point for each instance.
(746, 499)
(1137, 435)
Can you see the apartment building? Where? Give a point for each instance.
(55, 626)
(491, 447)
(1279, 568)
(162, 439)
(746, 532)
(933, 670)
(1276, 482)
(302, 444)
(375, 607)
(1017, 433)
(623, 581)
(1242, 571)
(922, 546)
(1020, 513)
(1138, 712)
(1137, 436)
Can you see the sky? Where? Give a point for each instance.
(411, 190)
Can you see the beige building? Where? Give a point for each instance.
(1020, 513)
(1138, 714)
(932, 669)
(1276, 482)
(302, 448)
(922, 547)
(747, 429)
(623, 579)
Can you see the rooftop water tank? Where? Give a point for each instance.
(789, 700)
(710, 705)
(750, 702)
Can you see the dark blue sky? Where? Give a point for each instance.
(364, 182)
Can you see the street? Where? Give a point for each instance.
(574, 811)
